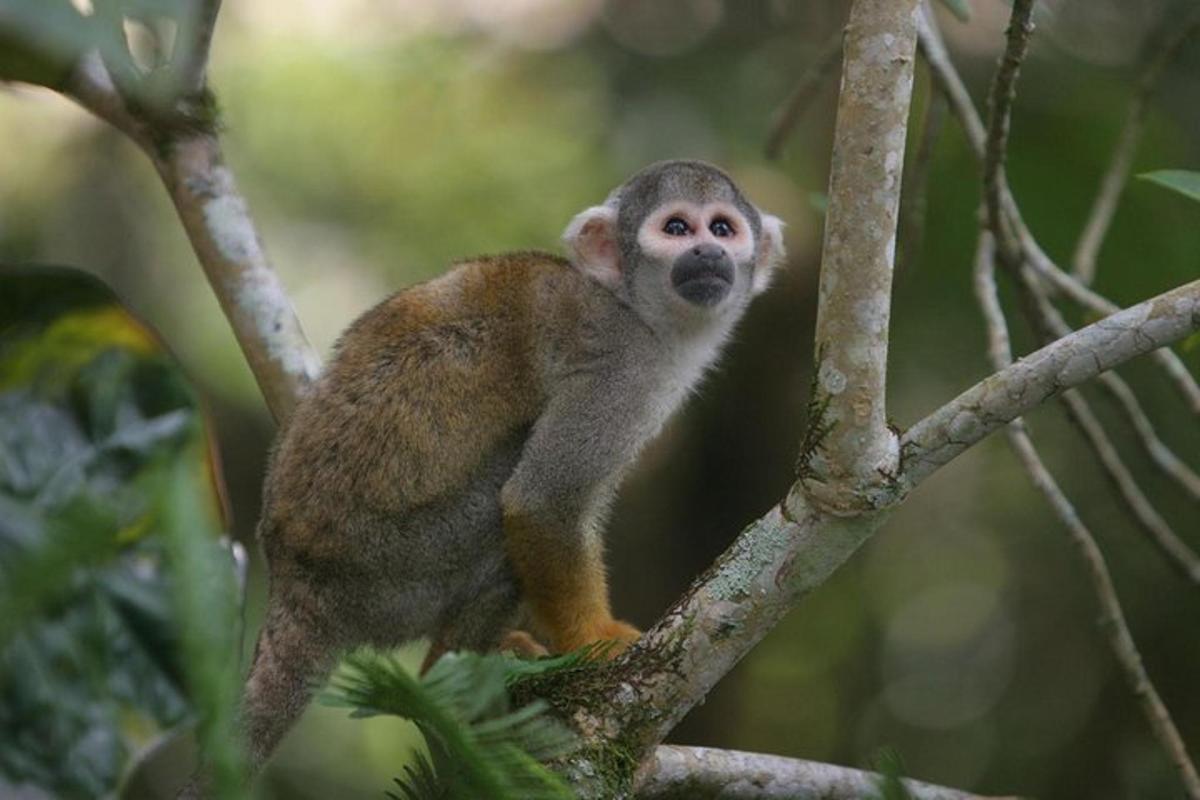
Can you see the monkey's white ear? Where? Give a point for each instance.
(769, 254)
(591, 241)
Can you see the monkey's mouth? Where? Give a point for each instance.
(703, 284)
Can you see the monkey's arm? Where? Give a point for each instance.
(554, 502)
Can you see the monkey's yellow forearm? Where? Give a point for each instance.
(565, 587)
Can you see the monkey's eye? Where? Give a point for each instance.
(675, 227)
(721, 228)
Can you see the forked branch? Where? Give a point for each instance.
(180, 136)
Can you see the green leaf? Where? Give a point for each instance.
(959, 8)
(479, 746)
(117, 603)
(1186, 182)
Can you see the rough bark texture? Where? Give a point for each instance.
(1009, 393)
(859, 253)
(702, 773)
(217, 221)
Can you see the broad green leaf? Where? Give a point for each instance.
(959, 8)
(1186, 182)
(116, 598)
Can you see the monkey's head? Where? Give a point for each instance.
(678, 239)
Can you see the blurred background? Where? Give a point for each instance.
(379, 140)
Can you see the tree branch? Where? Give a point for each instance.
(799, 543)
(1104, 206)
(964, 109)
(1046, 319)
(1161, 455)
(226, 242)
(186, 151)
(1122, 395)
(854, 300)
(1000, 101)
(190, 63)
(996, 229)
(1068, 362)
(1113, 622)
(90, 85)
(1143, 511)
(704, 773)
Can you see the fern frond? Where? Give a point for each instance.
(479, 746)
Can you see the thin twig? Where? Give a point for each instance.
(1104, 205)
(192, 51)
(1112, 619)
(946, 76)
(1000, 102)
(1175, 549)
(114, 48)
(807, 88)
(1113, 622)
(964, 109)
(1160, 455)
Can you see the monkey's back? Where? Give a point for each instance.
(390, 468)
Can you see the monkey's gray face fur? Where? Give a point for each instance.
(678, 241)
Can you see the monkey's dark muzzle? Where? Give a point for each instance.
(703, 276)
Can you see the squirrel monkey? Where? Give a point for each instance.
(458, 455)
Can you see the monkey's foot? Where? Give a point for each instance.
(621, 633)
(613, 635)
(523, 645)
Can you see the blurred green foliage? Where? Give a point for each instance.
(107, 519)
(377, 141)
